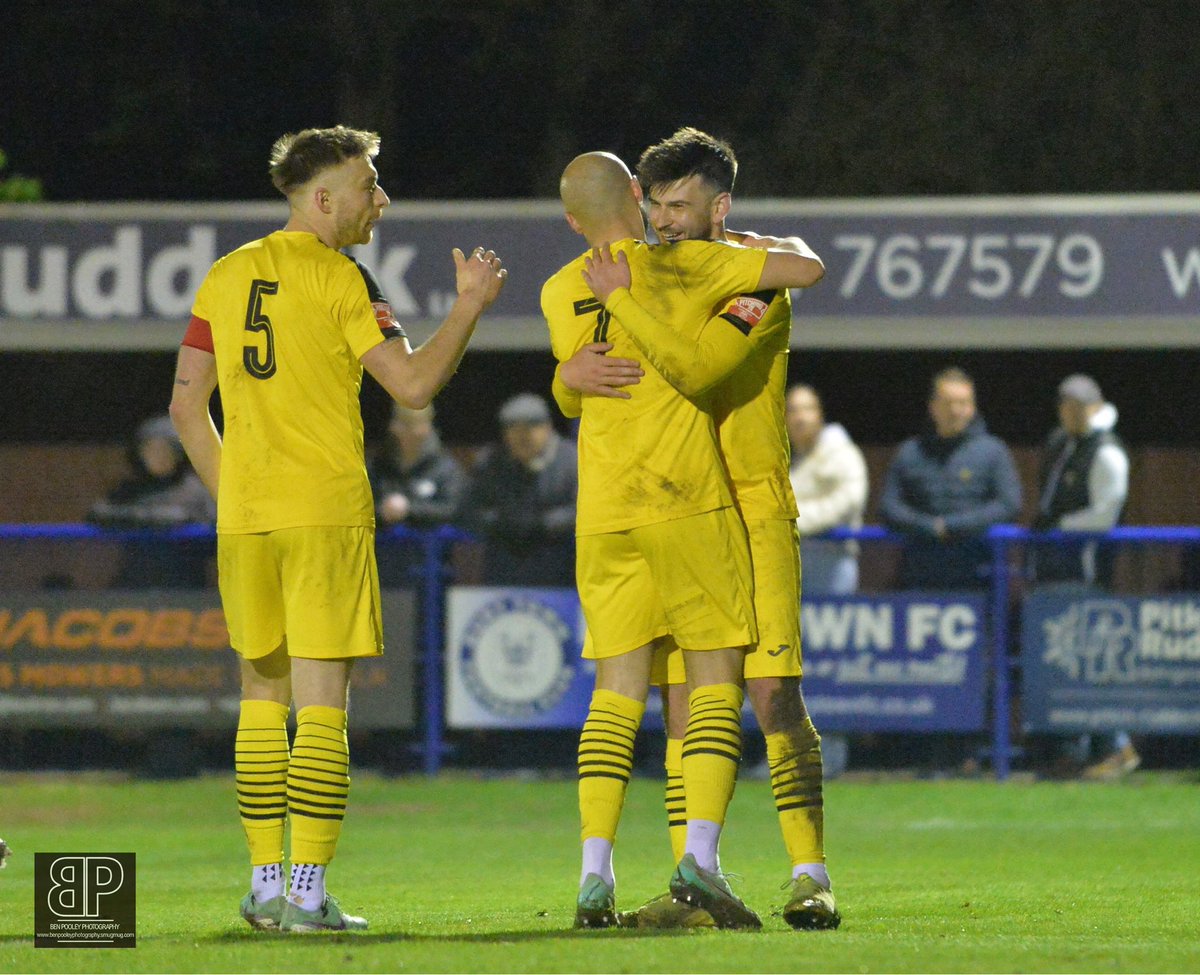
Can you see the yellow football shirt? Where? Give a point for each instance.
(653, 457)
(749, 410)
(290, 318)
(738, 367)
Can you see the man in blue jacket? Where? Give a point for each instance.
(946, 487)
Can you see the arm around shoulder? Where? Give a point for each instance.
(791, 269)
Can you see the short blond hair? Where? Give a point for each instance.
(298, 157)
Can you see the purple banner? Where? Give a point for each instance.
(984, 272)
(904, 662)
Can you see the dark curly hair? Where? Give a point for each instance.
(689, 152)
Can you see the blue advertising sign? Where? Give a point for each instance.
(902, 662)
(513, 658)
(1094, 662)
(905, 662)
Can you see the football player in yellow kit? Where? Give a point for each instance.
(655, 514)
(284, 327)
(739, 363)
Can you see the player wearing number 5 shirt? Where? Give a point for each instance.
(284, 327)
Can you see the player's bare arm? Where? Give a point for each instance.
(790, 265)
(195, 380)
(413, 377)
(793, 245)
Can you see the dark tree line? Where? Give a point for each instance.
(157, 99)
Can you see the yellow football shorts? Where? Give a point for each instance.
(317, 586)
(775, 554)
(689, 577)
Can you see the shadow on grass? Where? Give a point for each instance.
(483, 937)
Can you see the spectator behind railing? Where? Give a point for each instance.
(946, 487)
(521, 500)
(829, 478)
(162, 492)
(1083, 486)
(417, 483)
(943, 490)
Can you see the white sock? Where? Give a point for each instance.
(815, 870)
(307, 889)
(597, 858)
(703, 836)
(266, 881)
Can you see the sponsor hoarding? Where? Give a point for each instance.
(911, 662)
(1095, 662)
(999, 272)
(121, 659)
(904, 662)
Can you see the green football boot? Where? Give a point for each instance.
(262, 915)
(596, 907)
(664, 911)
(811, 906)
(709, 890)
(327, 917)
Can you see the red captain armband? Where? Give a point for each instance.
(387, 321)
(199, 335)
(745, 311)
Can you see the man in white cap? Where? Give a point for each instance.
(1084, 482)
(1083, 486)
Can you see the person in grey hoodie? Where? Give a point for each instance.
(946, 487)
(162, 492)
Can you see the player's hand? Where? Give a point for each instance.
(604, 274)
(592, 372)
(479, 276)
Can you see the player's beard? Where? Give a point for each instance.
(355, 232)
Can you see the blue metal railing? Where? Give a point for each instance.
(435, 544)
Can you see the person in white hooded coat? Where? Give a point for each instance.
(829, 477)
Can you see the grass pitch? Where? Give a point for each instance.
(465, 875)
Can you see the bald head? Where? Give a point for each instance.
(598, 190)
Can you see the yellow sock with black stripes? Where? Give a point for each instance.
(796, 779)
(318, 783)
(676, 801)
(260, 761)
(605, 764)
(712, 749)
